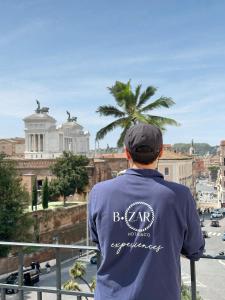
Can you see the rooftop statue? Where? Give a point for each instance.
(41, 110)
(38, 110)
(70, 119)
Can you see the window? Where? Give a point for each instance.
(166, 171)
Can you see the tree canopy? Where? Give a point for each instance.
(71, 175)
(133, 107)
(14, 199)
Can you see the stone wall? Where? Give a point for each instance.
(60, 222)
(62, 225)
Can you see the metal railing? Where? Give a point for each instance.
(40, 290)
(58, 290)
(193, 273)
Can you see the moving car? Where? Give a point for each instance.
(30, 276)
(215, 223)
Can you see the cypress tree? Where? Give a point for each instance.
(45, 194)
(34, 195)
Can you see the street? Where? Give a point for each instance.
(49, 280)
(210, 274)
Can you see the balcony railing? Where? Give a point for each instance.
(58, 291)
(40, 290)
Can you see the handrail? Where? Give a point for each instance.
(58, 291)
(48, 245)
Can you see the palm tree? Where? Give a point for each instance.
(78, 271)
(132, 109)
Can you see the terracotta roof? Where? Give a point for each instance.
(166, 155)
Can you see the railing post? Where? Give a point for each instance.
(3, 294)
(79, 298)
(39, 295)
(58, 274)
(20, 274)
(193, 280)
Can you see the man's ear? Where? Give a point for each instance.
(161, 152)
(127, 154)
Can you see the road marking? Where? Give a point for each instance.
(214, 233)
(221, 262)
(186, 278)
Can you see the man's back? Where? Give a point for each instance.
(142, 223)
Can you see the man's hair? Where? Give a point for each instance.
(143, 156)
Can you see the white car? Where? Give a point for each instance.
(216, 215)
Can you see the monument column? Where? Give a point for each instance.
(32, 142)
(39, 143)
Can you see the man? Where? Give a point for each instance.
(141, 224)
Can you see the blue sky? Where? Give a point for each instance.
(66, 54)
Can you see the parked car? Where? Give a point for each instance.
(215, 223)
(30, 276)
(93, 259)
(205, 234)
(223, 237)
(202, 222)
(216, 215)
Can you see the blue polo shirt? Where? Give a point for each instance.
(141, 224)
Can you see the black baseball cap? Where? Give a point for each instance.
(144, 142)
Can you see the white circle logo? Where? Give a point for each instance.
(139, 216)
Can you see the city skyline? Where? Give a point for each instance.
(67, 55)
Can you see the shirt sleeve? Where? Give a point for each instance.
(92, 217)
(194, 243)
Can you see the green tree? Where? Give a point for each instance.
(45, 194)
(71, 175)
(34, 195)
(78, 271)
(133, 107)
(213, 172)
(14, 199)
(186, 293)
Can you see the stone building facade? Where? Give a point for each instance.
(44, 140)
(13, 147)
(174, 166)
(221, 176)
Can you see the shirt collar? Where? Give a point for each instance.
(144, 172)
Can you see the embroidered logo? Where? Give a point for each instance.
(139, 216)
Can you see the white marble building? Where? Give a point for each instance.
(44, 140)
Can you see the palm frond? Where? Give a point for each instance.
(161, 102)
(137, 93)
(161, 121)
(149, 92)
(120, 141)
(119, 91)
(109, 110)
(123, 95)
(103, 131)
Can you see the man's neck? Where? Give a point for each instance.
(135, 165)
